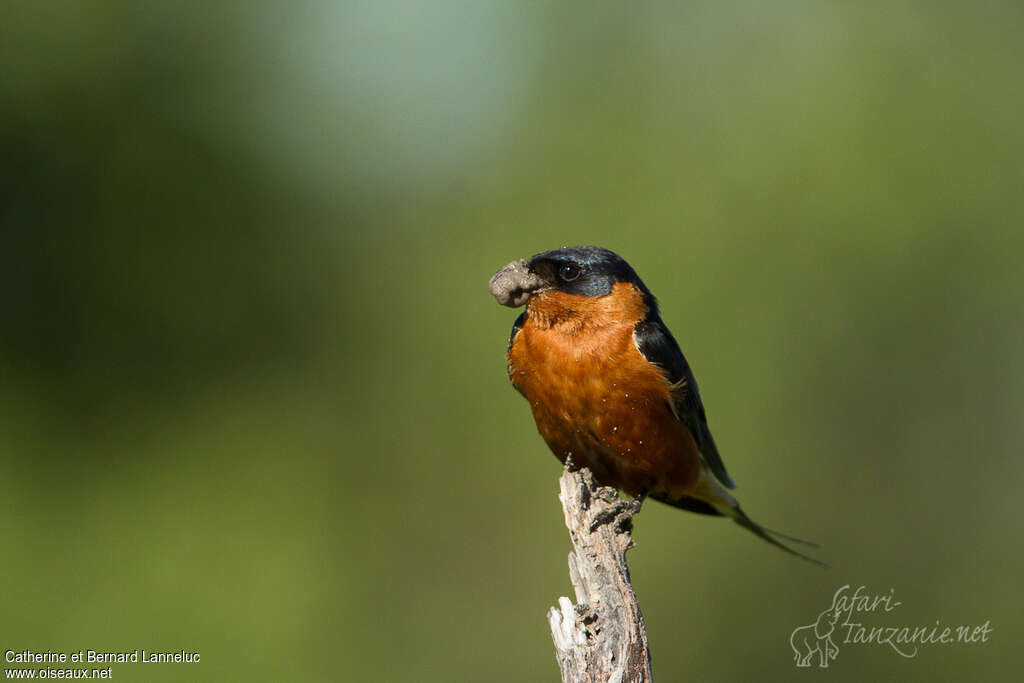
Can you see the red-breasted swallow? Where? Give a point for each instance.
(608, 385)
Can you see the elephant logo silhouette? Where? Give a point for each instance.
(816, 638)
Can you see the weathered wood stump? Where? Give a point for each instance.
(601, 638)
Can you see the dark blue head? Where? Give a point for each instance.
(580, 271)
(585, 271)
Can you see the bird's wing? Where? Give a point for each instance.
(516, 326)
(658, 346)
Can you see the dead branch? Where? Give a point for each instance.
(601, 638)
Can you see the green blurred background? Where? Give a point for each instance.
(253, 397)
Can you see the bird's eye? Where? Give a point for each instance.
(569, 272)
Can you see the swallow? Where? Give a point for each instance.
(608, 385)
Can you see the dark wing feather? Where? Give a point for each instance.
(658, 346)
(516, 326)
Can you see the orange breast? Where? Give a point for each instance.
(595, 398)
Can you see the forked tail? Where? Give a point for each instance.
(741, 518)
(709, 497)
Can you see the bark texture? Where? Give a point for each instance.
(602, 637)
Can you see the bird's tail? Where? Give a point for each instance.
(740, 517)
(708, 496)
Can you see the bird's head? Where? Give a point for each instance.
(567, 275)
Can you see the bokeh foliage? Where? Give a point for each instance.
(253, 397)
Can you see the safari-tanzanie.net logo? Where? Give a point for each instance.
(860, 618)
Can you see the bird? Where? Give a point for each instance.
(609, 387)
